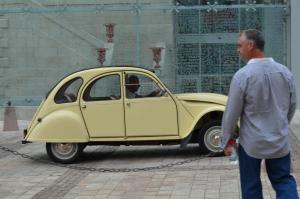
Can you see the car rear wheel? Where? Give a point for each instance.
(209, 137)
(64, 152)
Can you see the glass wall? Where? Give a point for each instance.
(41, 41)
(206, 40)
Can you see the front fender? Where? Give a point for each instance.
(59, 126)
(206, 111)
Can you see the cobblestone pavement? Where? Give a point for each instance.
(210, 177)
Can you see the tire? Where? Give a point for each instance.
(209, 137)
(64, 152)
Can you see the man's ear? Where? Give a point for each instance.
(251, 45)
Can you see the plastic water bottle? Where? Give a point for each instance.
(233, 158)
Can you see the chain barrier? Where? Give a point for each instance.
(107, 170)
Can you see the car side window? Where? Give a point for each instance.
(103, 88)
(139, 85)
(68, 93)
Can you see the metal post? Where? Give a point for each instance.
(138, 39)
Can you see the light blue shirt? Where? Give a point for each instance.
(262, 94)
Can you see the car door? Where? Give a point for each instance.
(149, 111)
(102, 107)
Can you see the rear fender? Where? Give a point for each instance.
(59, 126)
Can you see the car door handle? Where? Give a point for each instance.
(83, 106)
(128, 104)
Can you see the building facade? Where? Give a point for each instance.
(191, 44)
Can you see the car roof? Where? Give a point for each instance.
(110, 69)
(102, 69)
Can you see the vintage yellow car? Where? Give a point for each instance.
(122, 106)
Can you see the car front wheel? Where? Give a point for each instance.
(209, 137)
(64, 152)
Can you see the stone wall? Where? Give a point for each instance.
(4, 60)
(38, 49)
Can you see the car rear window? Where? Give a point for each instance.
(68, 93)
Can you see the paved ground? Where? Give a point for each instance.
(211, 178)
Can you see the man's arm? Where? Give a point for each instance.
(232, 112)
(293, 100)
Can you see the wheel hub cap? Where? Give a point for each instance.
(212, 139)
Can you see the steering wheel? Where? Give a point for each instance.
(69, 97)
(161, 92)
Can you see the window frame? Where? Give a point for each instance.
(140, 74)
(61, 91)
(86, 92)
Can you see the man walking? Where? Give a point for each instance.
(262, 94)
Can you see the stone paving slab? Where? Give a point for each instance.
(209, 178)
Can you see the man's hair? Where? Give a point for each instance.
(256, 36)
(131, 79)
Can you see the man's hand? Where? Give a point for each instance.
(113, 97)
(155, 93)
(228, 150)
(229, 147)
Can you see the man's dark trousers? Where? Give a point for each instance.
(278, 170)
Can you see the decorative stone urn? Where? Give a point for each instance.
(157, 55)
